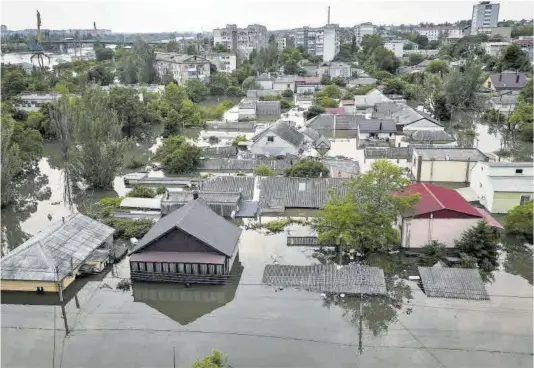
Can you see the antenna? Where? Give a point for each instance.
(328, 21)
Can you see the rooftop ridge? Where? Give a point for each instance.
(433, 195)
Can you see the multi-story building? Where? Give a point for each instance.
(432, 33)
(305, 37)
(485, 15)
(241, 40)
(397, 47)
(182, 67)
(363, 29)
(225, 62)
(281, 42)
(494, 48)
(330, 41)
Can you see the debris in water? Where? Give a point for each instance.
(323, 295)
(409, 311)
(49, 217)
(124, 285)
(55, 203)
(342, 295)
(133, 240)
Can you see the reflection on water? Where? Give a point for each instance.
(518, 258)
(187, 304)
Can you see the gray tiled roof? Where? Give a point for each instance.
(36, 259)
(243, 184)
(342, 166)
(377, 126)
(224, 151)
(192, 219)
(222, 203)
(311, 133)
(241, 164)
(431, 136)
(450, 154)
(276, 191)
(351, 122)
(284, 130)
(458, 283)
(509, 80)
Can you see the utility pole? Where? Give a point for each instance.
(60, 289)
(72, 274)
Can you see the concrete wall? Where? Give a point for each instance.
(247, 113)
(282, 86)
(305, 89)
(446, 171)
(503, 202)
(265, 84)
(268, 108)
(416, 233)
(21, 285)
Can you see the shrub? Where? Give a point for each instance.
(161, 190)
(213, 140)
(307, 169)
(139, 191)
(108, 205)
(432, 253)
(239, 138)
(263, 170)
(129, 228)
(178, 156)
(287, 93)
(277, 225)
(124, 285)
(215, 360)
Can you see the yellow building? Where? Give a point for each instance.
(53, 257)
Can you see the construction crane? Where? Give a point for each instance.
(38, 53)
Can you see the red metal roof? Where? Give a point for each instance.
(489, 219)
(434, 198)
(335, 110)
(347, 102)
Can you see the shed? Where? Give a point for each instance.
(457, 283)
(53, 255)
(178, 248)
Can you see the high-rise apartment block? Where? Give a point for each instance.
(241, 40)
(485, 15)
(363, 29)
(321, 42)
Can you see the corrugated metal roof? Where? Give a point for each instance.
(199, 221)
(37, 259)
(377, 126)
(243, 184)
(350, 279)
(286, 192)
(512, 184)
(288, 133)
(149, 203)
(241, 164)
(430, 136)
(435, 198)
(450, 154)
(457, 283)
(509, 80)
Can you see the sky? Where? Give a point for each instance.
(204, 15)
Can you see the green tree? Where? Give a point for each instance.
(196, 90)
(432, 253)
(100, 75)
(480, 243)
(140, 191)
(263, 170)
(29, 142)
(307, 169)
(513, 58)
(234, 91)
(287, 93)
(385, 59)
(215, 360)
(11, 161)
(178, 156)
(239, 138)
(218, 84)
(291, 67)
(527, 93)
(339, 81)
(314, 110)
(13, 81)
(326, 102)
(437, 67)
(370, 43)
(174, 96)
(331, 91)
(362, 218)
(125, 102)
(103, 53)
(519, 221)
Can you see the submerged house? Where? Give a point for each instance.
(54, 256)
(224, 204)
(190, 245)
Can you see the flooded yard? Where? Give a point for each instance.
(260, 325)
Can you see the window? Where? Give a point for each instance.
(270, 138)
(519, 171)
(524, 198)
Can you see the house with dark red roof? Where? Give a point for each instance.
(441, 214)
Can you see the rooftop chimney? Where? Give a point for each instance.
(63, 219)
(380, 128)
(328, 21)
(517, 78)
(500, 77)
(195, 195)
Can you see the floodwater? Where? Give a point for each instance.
(17, 57)
(262, 326)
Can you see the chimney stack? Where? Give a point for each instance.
(63, 219)
(500, 77)
(517, 78)
(328, 22)
(195, 195)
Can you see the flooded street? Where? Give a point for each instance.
(258, 325)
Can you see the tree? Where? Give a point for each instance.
(519, 221)
(234, 91)
(213, 139)
(480, 242)
(11, 161)
(437, 67)
(103, 53)
(370, 43)
(219, 48)
(415, 59)
(432, 253)
(287, 93)
(263, 170)
(178, 156)
(314, 110)
(361, 218)
(215, 360)
(385, 59)
(331, 91)
(250, 83)
(307, 169)
(13, 81)
(218, 84)
(125, 102)
(513, 58)
(100, 75)
(339, 81)
(196, 90)
(175, 96)
(29, 142)
(291, 67)
(96, 147)
(239, 138)
(526, 93)
(421, 40)
(140, 191)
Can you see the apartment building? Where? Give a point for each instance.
(224, 62)
(281, 42)
(432, 33)
(330, 42)
(397, 47)
(494, 48)
(485, 15)
(182, 67)
(241, 40)
(363, 29)
(321, 42)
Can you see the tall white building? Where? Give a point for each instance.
(363, 29)
(281, 43)
(330, 42)
(241, 40)
(397, 47)
(225, 62)
(485, 15)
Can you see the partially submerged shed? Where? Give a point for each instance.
(457, 283)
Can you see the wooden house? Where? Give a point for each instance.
(190, 245)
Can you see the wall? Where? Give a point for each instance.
(416, 231)
(282, 86)
(247, 113)
(277, 147)
(265, 84)
(178, 241)
(22, 285)
(446, 171)
(396, 47)
(306, 89)
(503, 202)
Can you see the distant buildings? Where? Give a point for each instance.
(363, 29)
(281, 42)
(485, 15)
(33, 101)
(224, 62)
(321, 42)
(241, 40)
(432, 33)
(397, 47)
(182, 67)
(330, 42)
(335, 69)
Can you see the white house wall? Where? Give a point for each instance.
(266, 84)
(444, 171)
(416, 233)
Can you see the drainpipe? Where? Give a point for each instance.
(335, 118)
(467, 170)
(430, 227)
(432, 170)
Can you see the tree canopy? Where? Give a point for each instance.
(519, 221)
(480, 243)
(178, 156)
(307, 169)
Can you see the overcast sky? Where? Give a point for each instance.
(204, 15)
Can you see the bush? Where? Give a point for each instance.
(307, 169)
(277, 225)
(287, 93)
(215, 360)
(140, 191)
(519, 221)
(339, 81)
(432, 253)
(314, 110)
(124, 285)
(129, 228)
(213, 140)
(239, 138)
(107, 205)
(263, 170)
(161, 190)
(178, 156)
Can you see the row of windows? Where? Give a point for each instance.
(182, 268)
